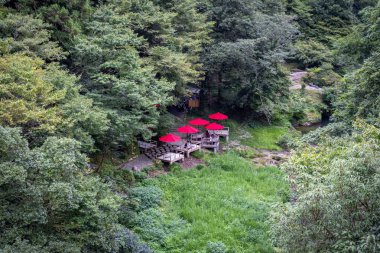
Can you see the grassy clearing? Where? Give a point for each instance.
(265, 137)
(226, 202)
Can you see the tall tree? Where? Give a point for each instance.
(252, 39)
(114, 76)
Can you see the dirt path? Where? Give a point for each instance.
(296, 79)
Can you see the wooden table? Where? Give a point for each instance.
(172, 157)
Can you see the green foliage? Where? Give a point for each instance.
(44, 100)
(198, 154)
(66, 17)
(290, 140)
(28, 99)
(321, 19)
(116, 79)
(252, 38)
(175, 168)
(323, 76)
(337, 205)
(247, 153)
(24, 33)
(311, 53)
(146, 197)
(227, 202)
(49, 204)
(216, 247)
(332, 130)
(175, 33)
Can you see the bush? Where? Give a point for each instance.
(311, 53)
(338, 205)
(216, 247)
(145, 197)
(175, 167)
(200, 167)
(290, 140)
(323, 76)
(198, 154)
(329, 131)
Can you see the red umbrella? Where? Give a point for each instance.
(218, 116)
(187, 130)
(214, 126)
(199, 122)
(170, 138)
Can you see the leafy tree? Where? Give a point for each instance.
(24, 33)
(311, 53)
(113, 75)
(49, 202)
(28, 99)
(44, 100)
(337, 205)
(66, 17)
(359, 95)
(252, 37)
(249, 76)
(175, 33)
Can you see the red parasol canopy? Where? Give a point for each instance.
(214, 126)
(170, 138)
(218, 116)
(187, 130)
(199, 122)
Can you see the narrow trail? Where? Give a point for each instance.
(296, 78)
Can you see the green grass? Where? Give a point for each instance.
(265, 137)
(228, 201)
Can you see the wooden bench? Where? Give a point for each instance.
(211, 143)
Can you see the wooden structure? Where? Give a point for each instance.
(223, 133)
(145, 145)
(211, 143)
(197, 138)
(189, 148)
(154, 153)
(193, 103)
(172, 157)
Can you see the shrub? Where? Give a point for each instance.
(175, 167)
(146, 197)
(323, 76)
(216, 247)
(198, 154)
(338, 203)
(311, 53)
(290, 140)
(200, 166)
(331, 130)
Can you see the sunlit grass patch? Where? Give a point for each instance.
(265, 137)
(228, 201)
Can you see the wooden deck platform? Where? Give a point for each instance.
(189, 148)
(223, 133)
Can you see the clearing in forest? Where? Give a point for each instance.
(225, 202)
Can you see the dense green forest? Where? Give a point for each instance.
(82, 80)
